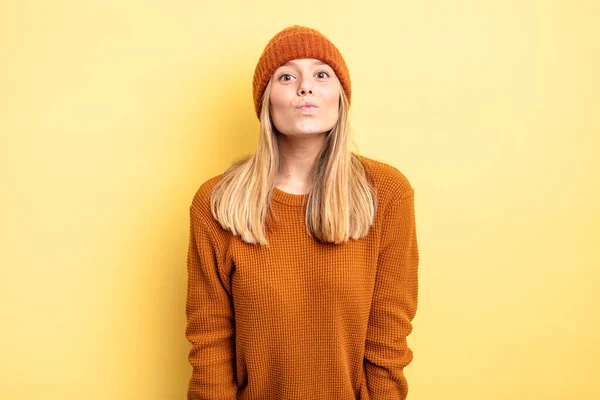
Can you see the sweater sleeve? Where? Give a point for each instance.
(394, 303)
(210, 322)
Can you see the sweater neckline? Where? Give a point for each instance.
(292, 199)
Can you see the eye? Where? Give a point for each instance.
(318, 73)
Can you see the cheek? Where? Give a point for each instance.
(275, 97)
(332, 96)
(333, 101)
(279, 99)
(333, 105)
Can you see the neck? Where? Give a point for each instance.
(297, 156)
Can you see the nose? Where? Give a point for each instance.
(305, 87)
(303, 91)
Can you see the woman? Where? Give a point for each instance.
(302, 261)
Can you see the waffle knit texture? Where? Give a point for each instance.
(296, 42)
(303, 319)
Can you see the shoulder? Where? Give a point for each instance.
(201, 200)
(391, 183)
(203, 193)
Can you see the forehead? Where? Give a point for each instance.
(298, 61)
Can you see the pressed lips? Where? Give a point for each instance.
(307, 105)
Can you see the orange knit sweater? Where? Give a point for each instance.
(302, 319)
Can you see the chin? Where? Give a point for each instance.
(310, 131)
(312, 127)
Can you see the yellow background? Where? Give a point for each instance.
(112, 113)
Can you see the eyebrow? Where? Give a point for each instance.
(293, 63)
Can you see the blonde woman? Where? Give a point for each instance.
(303, 257)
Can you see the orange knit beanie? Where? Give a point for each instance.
(292, 43)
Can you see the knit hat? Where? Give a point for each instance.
(292, 43)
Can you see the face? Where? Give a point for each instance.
(299, 81)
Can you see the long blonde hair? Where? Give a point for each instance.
(342, 201)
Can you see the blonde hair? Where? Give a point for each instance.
(342, 201)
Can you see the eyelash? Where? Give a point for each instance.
(282, 75)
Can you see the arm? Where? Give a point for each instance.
(210, 324)
(394, 303)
